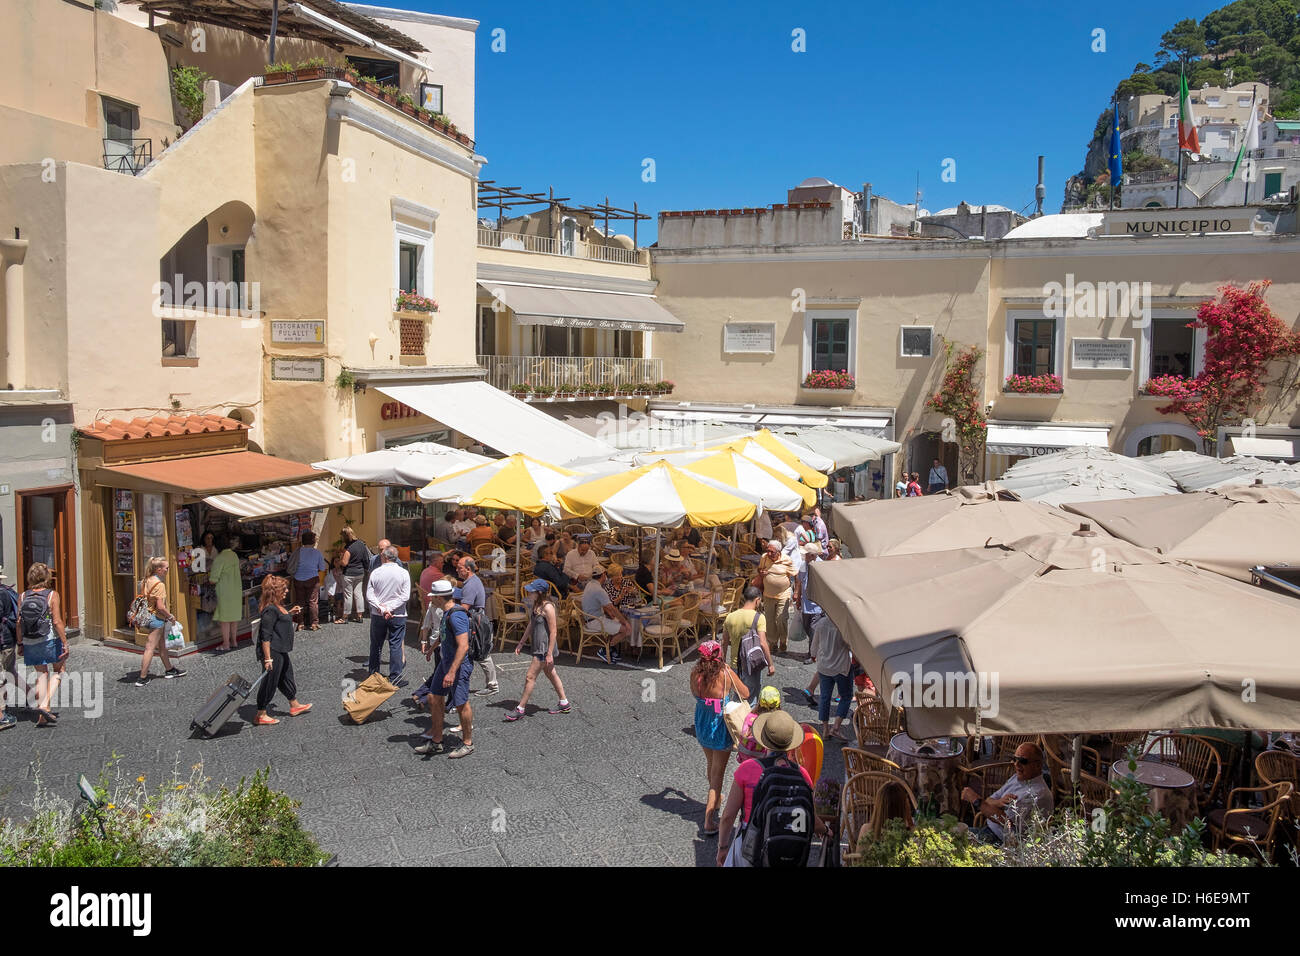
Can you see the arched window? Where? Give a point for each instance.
(1159, 444)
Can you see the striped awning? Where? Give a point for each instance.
(284, 500)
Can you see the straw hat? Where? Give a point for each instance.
(673, 555)
(777, 731)
(812, 547)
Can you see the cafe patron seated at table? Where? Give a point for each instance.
(1017, 800)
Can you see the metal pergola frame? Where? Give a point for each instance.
(494, 196)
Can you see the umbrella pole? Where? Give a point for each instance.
(656, 594)
(1076, 759)
(708, 564)
(519, 534)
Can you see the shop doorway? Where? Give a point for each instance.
(924, 449)
(47, 534)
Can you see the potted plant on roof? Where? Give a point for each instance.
(370, 85)
(663, 388)
(605, 388)
(388, 93)
(586, 388)
(406, 103)
(543, 391)
(311, 69)
(566, 390)
(276, 73)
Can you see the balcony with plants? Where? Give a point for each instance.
(1044, 384)
(575, 378)
(316, 68)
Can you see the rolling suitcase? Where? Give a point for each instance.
(221, 706)
(369, 694)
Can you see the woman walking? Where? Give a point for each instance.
(541, 630)
(223, 574)
(154, 589)
(835, 672)
(44, 643)
(274, 644)
(714, 685)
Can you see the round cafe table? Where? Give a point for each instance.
(637, 617)
(936, 762)
(1173, 791)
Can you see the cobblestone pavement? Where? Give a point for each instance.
(618, 781)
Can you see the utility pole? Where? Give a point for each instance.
(275, 23)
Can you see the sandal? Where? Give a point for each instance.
(300, 709)
(265, 721)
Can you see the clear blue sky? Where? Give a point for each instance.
(733, 117)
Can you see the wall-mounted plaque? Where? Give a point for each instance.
(749, 337)
(1101, 353)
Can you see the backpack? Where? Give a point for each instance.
(139, 614)
(8, 616)
(480, 634)
(780, 829)
(35, 615)
(751, 656)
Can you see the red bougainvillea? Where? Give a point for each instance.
(1047, 384)
(960, 400)
(1243, 340)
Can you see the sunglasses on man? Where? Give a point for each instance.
(1019, 760)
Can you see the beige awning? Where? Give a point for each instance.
(1264, 447)
(286, 500)
(584, 309)
(1067, 634)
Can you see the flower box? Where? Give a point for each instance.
(414, 302)
(276, 77)
(311, 73)
(1033, 385)
(840, 380)
(1167, 387)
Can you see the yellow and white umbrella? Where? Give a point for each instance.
(518, 483)
(761, 447)
(777, 491)
(663, 496)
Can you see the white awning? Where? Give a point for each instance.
(1030, 440)
(500, 421)
(1288, 448)
(584, 309)
(284, 500)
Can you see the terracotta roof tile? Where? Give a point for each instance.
(159, 426)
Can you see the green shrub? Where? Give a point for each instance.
(178, 824)
(940, 841)
(280, 67)
(187, 85)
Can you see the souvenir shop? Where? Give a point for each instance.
(169, 507)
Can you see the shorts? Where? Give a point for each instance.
(156, 622)
(459, 690)
(609, 625)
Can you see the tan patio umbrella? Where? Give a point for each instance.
(1081, 633)
(965, 517)
(1230, 530)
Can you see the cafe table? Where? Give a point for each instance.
(638, 617)
(936, 764)
(1173, 790)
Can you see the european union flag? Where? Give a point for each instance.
(1116, 167)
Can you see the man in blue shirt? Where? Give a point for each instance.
(306, 580)
(451, 679)
(475, 595)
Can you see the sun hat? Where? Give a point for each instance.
(810, 518)
(777, 731)
(812, 547)
(442, 587)
(537, 584)
(673, 555)
(598, 571)
(710, 651)
(480, 519)
(457, 594)
(769, 698)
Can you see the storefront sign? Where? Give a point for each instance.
(297, 370)
(749, 337)
(1024, 451)
(392, 411)
(298, 333)
(1177, 222)
(1102, 353)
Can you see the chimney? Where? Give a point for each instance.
(866, 208)
(1040, 191)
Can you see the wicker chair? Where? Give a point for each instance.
(859, 802)
(864, 761)
(1196, 755)
(591, 631)
(1280, 766)
(984, 780)
(1058, 752)
(875, 722)
(690, 607)
(510, 616)
(1247, 829)
(663, 631)
(1004, 745)
(714, 617)
(484, 550)
(1091, 792)
(568, 620)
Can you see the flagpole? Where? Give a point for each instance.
(1245, 182)
(1178, 190)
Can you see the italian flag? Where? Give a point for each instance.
(1186, 120)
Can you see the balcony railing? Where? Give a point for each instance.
(545, 245)
(582, 374)
(127, 155)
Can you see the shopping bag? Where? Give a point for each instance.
(733, 715)
(794, 630)
(175, 637)
(370, 693)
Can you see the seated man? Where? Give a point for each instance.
(547, 569)
(506, 534)
(462, 525)
(483, 533)
(1016, 801)
(596, 603)
(581, 561)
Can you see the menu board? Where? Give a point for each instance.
(184, 533)
(153, 542)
